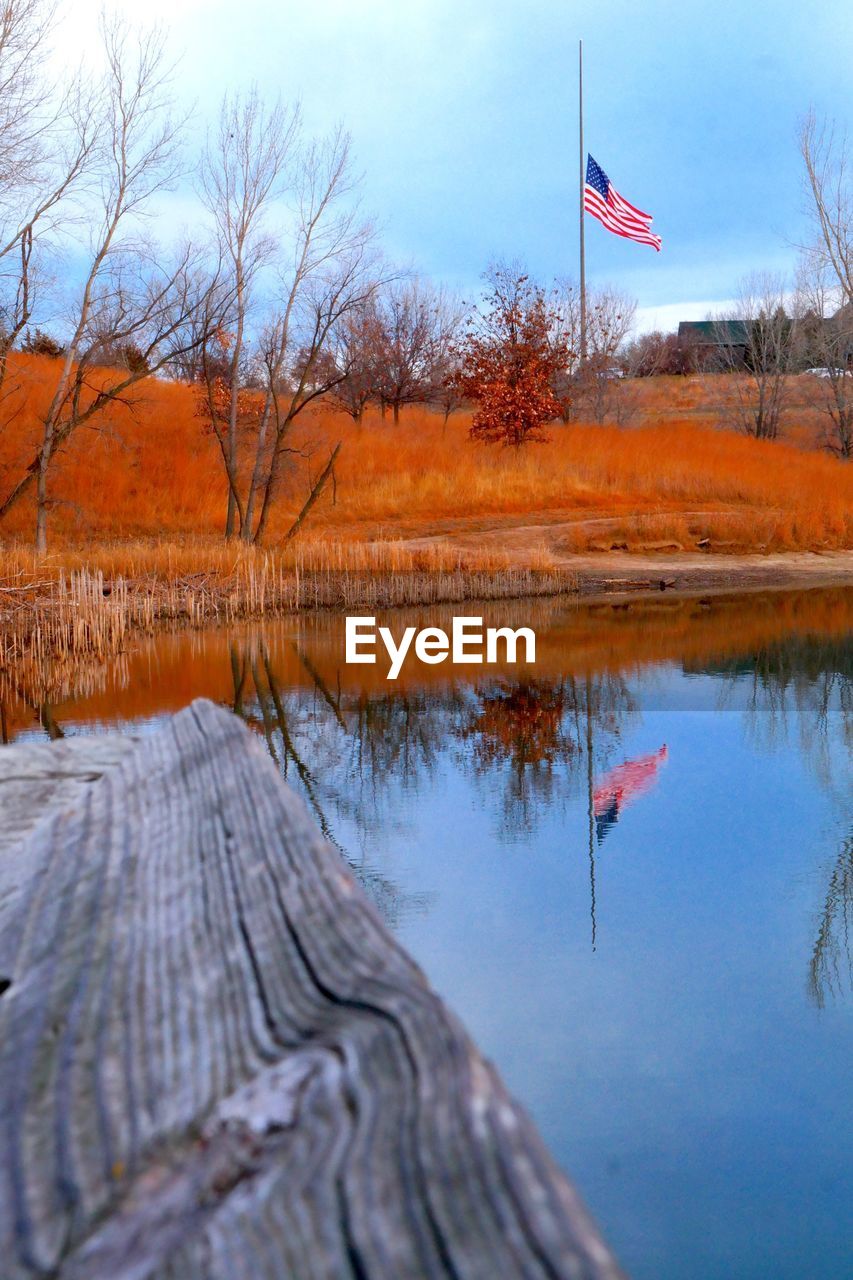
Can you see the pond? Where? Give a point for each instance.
(629, 868)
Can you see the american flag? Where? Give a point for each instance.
(621, 785)
(603, 201)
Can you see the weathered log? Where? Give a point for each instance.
(216, 1062)
(37, 778)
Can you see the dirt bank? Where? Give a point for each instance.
(654, 567)
(701, 574)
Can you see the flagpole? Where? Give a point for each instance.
(590, 804)
(580, 193)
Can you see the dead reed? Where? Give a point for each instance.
(91, 610)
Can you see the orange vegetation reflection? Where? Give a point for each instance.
(163, 673)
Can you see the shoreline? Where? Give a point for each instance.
(91, 618)
(698, 573)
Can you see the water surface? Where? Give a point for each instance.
(629, 869)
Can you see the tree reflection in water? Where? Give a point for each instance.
(374, 745)
(831, 967)
(538, 736)
(531, 744)
(804, 686)
(798, 685)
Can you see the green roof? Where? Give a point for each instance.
(728, 333)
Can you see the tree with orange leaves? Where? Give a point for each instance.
(508, 360)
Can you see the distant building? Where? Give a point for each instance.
(715, 343)
(725, 344)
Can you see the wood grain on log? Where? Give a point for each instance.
(216, 1062)
(40, 776)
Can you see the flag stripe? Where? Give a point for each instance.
(593, 200)
(640, 237)
(618, 223)
(622, 203)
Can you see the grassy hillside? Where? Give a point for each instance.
(151, 471)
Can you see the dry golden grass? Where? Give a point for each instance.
(681, 480)
(213, 559)
(151, 473)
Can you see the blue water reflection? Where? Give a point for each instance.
(630, 871)
(652, 942)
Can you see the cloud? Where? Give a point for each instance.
(464, 120)
(666, 318)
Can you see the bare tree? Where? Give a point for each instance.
(609, 319)
(126, 289)
(324, 301)
(417, 324)
(317, 271)
(23, 33)
(400, 349)
(757, 347)
(824, 336)
(327, 281)
(47, 139)
(450, 312)
(601, 394)
(591, 388)
(355, 355)
(244, 170)
(566, 337)
(830, 197)
(152, 319)
(657, 354)
(445, 389)
(24, 97)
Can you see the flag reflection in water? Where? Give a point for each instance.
(621, 785)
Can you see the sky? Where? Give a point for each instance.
(464, 120)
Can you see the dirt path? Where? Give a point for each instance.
(656, 567)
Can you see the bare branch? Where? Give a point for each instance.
(830, 197)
